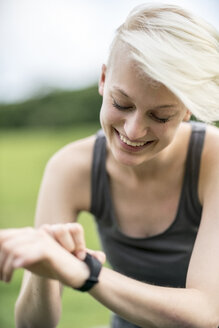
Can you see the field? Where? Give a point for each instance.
(23, 156)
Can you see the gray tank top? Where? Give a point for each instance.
(161, 259)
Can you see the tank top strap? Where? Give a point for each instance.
(193, 161)
(99, 179)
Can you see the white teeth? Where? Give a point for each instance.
(134, 144)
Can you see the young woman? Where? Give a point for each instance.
(150, 178)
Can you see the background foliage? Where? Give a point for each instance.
(60, 108)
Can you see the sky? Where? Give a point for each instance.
(61, 44)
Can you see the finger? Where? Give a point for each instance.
(77, 233)
(47, 228)
(99, 255)
(18, 238)
(8, 269)
(28, 254)
(2, 261)
(10, 250)
(8, 247)
(63, 236)
(10, 233)
(5, 232)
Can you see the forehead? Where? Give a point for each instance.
(127, 74)
(121, 65)
(126, 79)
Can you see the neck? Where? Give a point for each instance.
(153, 167)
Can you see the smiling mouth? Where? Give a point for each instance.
(133, 144)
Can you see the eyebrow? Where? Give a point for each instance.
(164, 106)
(121, 91)
(157, 107)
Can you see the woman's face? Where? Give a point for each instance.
(139, 118)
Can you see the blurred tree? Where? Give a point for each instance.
(59, 108)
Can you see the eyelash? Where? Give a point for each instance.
(116, 105)
(160, 120)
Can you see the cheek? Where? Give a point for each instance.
(109, 115)
(104, 115)
(159, 130)
(165, 133)
(170, 132)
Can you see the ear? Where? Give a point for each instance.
(187, 116)
(102, 79)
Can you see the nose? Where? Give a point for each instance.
(135, 126)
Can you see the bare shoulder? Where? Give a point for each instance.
(211, 147)
(70, 167)
(209, 173)
(74, 156)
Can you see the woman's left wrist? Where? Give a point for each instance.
(94, 266)
(82, 275)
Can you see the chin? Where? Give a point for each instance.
(130, 160)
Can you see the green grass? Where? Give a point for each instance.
(23, 156)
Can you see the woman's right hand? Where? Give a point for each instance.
(71, 237)
(68, 235)
(51, 252)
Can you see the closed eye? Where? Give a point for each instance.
(116, 105)
(159, 119)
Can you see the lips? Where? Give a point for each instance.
(130, 145)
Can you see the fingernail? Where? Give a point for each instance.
(18, 263)
(81, 255)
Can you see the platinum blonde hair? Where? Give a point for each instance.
(177, 49)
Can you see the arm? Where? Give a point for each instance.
(44, 309)
(60, 199)
(152, 306)
(49, 265)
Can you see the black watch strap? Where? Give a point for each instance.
(95, 267)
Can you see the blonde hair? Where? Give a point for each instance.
(177, 49)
